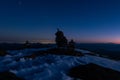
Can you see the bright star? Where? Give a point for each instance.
(20, 3)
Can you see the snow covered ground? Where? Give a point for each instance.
(49, 67)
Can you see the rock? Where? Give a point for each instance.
(9, 76)
(93, 72)
(3, 53)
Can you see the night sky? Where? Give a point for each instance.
(81, 20)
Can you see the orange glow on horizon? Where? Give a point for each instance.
(47, 41)
(105, 40)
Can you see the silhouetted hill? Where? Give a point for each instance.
(107, 49)
(93, 72)
(16, 46)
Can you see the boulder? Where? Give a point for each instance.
(93, 72)
(9, 76)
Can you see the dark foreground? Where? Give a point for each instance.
(84, 72)
(93, 72)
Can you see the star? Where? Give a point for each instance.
(19, 3)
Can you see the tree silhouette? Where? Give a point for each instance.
(71, 45)
(60, 39)
(27, 44)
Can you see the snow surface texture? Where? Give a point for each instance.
(49, 67)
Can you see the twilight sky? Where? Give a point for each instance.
(81, 20)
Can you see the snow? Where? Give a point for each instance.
(104, 62)
(83, 51)
(49, 67)
(25, 51)
(46, 67)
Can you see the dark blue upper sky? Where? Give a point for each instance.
(81, 20)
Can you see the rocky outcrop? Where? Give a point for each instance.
(8, 76)
(93, 72)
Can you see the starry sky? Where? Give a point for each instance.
(82, 20)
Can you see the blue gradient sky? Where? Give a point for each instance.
(81, 20)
